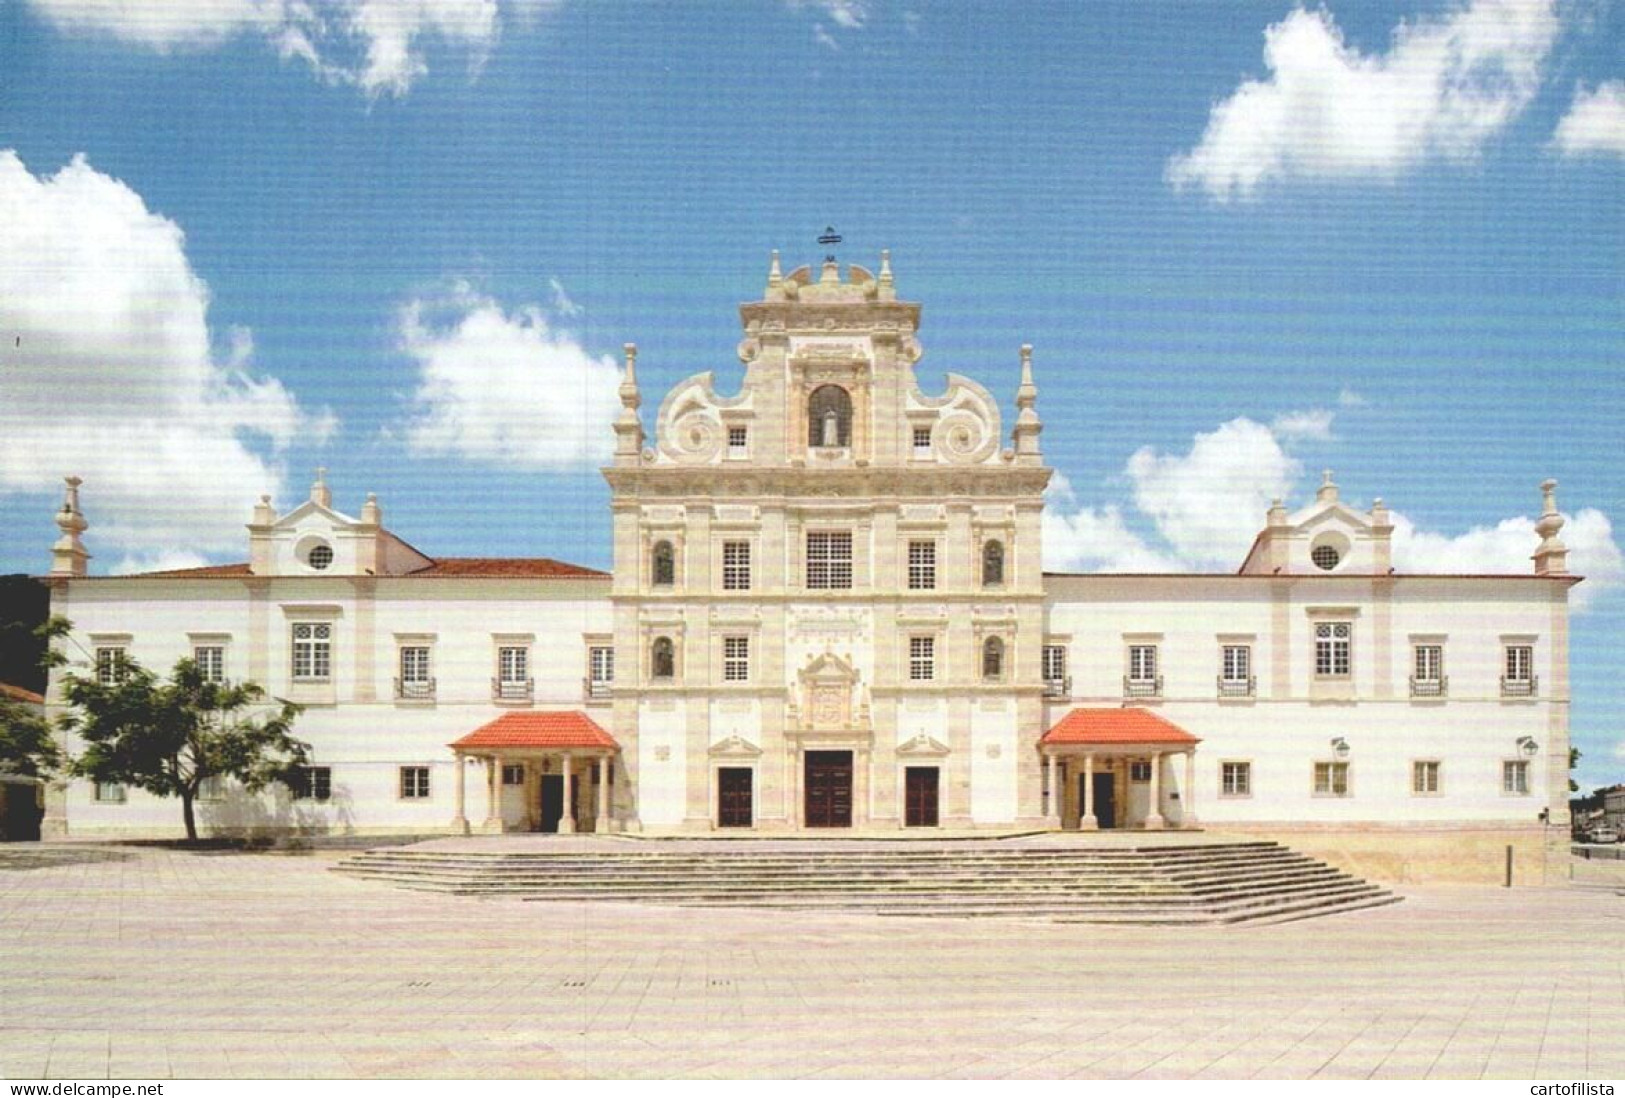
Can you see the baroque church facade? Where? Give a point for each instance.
(828, 613)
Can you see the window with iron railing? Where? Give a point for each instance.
(1427, 671)
(1236, 679)
(415, 682)
(1057, 684)
(600, 671)
(1519, 681)
(513, 681)
(1142, 680)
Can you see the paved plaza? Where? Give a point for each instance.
(140, 962)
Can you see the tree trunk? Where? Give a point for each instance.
(187, 815)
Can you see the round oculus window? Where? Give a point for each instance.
(1325, 557)
(319, 557)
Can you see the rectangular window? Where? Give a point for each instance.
(1519, 678)
(736, 566)
(512, 774)
(211, 662)
(312, 651)
(415, 666)
(1236, 779)
(415, 783)
(738, 441)
(312, 783)
(1139, 771)
(1236, 671)
(922, 659)
(212, 788)
(1427, 671)
(1142, 662)
(1425, 776)
(922, 440)
(922, 565)
(735, 659)
(1515, 777)
(829, 560)
(108, 671)
(1055, 670)
(513, 665)
(1236, 663)
(1332, 653)
(110, 793)
(1332, 779)
(600, 670)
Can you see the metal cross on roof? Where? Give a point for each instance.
(829, 239)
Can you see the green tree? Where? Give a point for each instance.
(27, 745)
(170, 737)
(1574, 761)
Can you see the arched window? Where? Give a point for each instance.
(662, 659)
(993, 659)
(993, 564)
(663, 572)
(829, 417)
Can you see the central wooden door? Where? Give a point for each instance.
(552, 801)
(829, 788)
(733, 797)
(1105, 799)
(920, 796)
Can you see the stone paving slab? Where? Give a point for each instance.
(162, 963)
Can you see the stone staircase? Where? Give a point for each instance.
(1164, 883)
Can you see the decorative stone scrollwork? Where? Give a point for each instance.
(963, 437)
(749, 348)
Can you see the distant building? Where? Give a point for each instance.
(828, 612)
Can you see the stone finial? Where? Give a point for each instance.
(320, 494)
(630, 398)
(831, 275)
(775, 278)
(628, 427)
(1028, 425)
(887, 285)
(1551, 556)
(371, 513)
(1379, 512)
(1276, 516)
(1327, 492)
(264, 513)
(68, 556)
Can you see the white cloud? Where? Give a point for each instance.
(164, 560)
(504, 387)
(1207, 503)
(1313, 425)
(377, 45)
(562, 305)
(824, 38)
(1508, 546)
(107, 372)
(1348, 398)
(1205, 506)
(1445, 87)
(846, 14)
(1595, 124)
(1090, 539)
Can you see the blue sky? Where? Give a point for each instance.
(243, 238)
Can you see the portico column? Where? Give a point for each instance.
(601, 823)
(459, 822)
(493, 793)
(1188, 815)
(1053, 816)
(1087, 821)
(1153, 819)
(567, 822)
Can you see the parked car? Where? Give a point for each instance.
(1602, 835)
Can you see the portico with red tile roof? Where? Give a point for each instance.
(1129, 741)
(545, 745)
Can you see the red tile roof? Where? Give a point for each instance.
(1117, 726)
(558, 731)
(17, 693)
(523, 567)
(444, 567)
(207, 571)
